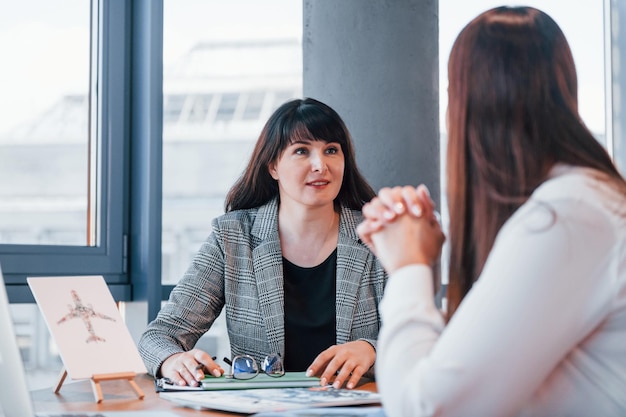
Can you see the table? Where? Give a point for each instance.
(118, 395)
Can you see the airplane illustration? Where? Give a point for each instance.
(86, 313)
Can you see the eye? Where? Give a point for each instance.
(301, 151)
(332, 150)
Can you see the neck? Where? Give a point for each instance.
(305, 220)
(308, 235)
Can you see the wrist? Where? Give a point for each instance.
(401, 263)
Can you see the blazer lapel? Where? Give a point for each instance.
(351, 263)
(268, 267)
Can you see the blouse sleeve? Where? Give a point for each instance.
(543, 289)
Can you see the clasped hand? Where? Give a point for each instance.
(401, 227)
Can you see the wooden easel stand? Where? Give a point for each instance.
(95, 383)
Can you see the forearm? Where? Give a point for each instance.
(411, 326)
(188, 314)
(174, 330)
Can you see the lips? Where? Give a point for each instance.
(318, 183)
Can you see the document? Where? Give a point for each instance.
(250, 401)
(211, 383)
(332, 411)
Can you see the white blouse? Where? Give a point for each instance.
(541, 333)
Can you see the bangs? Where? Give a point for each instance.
(299, 132)
(315, 129)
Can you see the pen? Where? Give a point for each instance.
(200, 366)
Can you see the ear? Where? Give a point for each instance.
(272, 170)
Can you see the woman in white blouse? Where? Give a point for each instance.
(536, 303)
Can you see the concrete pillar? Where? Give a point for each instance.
(376, 63)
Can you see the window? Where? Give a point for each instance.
(227, 108)
(62, 161)
(200, 106)
(44, 135)
(172, 107)
(254, 105)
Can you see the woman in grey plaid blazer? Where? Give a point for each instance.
(284, 261)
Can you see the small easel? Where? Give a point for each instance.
(96, 379)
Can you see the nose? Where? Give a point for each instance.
(317, 162)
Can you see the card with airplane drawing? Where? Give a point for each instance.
(86, 325)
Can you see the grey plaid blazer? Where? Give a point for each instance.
(240, 268)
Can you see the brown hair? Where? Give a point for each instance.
(299, 119)
(512, 114)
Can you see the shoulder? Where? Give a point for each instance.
(581, 193)
(259, 221)
(235, 219)
(573, 206)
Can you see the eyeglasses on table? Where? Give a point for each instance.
(246, 367)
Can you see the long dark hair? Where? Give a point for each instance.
(299, 119)
(512, 114)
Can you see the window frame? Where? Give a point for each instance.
(110, 66)
(615, 80)
(146, 166)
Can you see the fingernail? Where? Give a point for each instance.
(389, 214)
(350, 385)
(216, 372)
(323, 381)
(199, 376)
(181, 382)
(337, 385)
(398, 207)
(309, 372)
(416, 210)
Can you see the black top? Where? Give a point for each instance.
(309, 311)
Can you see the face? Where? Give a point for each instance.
(309, 172)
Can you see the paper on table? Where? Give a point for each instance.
(327, 411)
(210, 383)
(271, 399)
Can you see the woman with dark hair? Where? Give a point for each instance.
(284, 262)
(536, 313)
